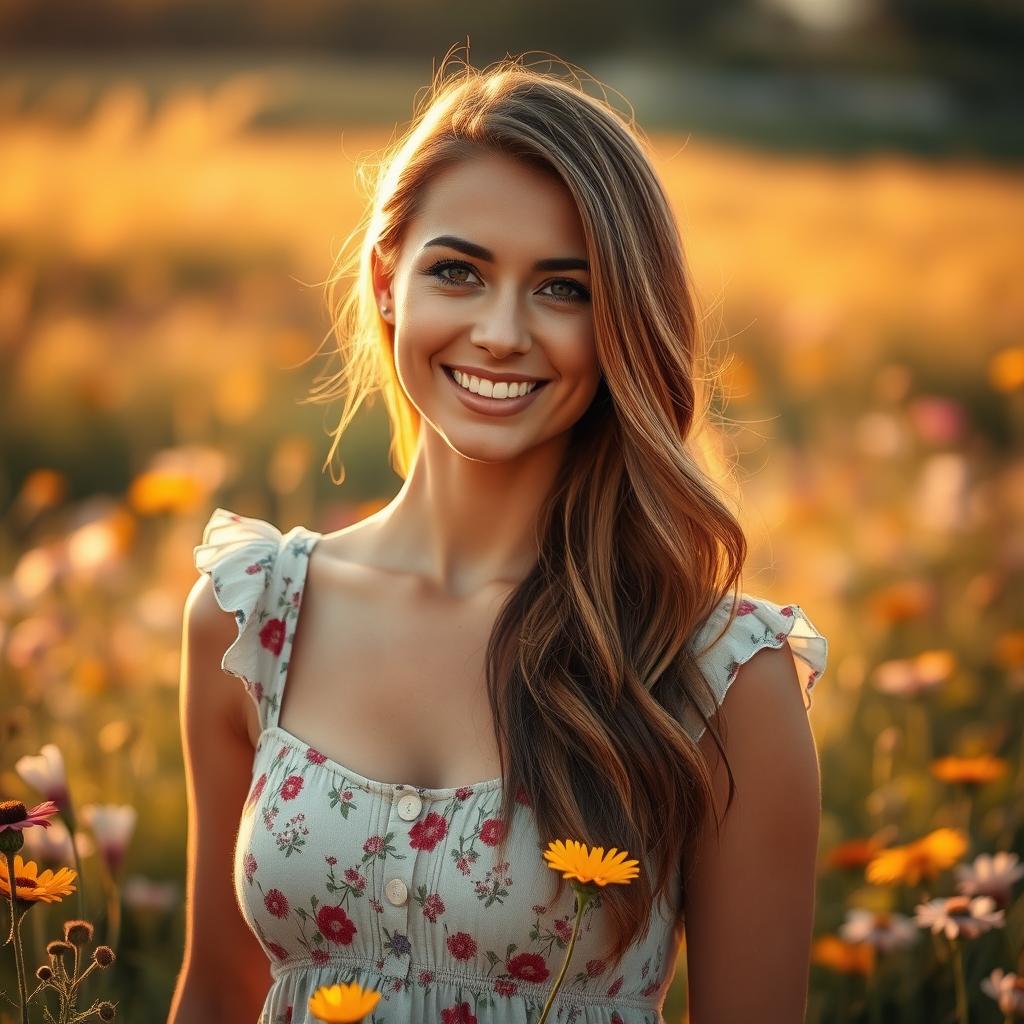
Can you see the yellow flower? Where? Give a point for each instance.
(969, 770)
(34, 887)
(342, 1004)
(844, 957)
(925, 857)
(574, 860)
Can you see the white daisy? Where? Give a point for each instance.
(1007, 989)
(958, 915)
(45, 772)
(112, 825)
(884, 930)
(990, 875)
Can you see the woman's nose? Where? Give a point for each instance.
(501, 328)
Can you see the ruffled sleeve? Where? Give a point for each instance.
(759, 623)
(238, 553)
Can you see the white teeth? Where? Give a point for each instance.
(492, 389)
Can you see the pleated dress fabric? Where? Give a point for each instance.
(345, 878)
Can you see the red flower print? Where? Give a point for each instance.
(296, 598)
(279, 951)
(616, 1018)
(375, 844)
(288, 1016)
(505, 987)
(539, 908)
(250, 866)
(356, 880)
(377, 905)
(460, 1014)
(463, 865)
(780, 637)
(563, 930)
(595, 967)
(615, 986)
(528, 967)
(787, 611)
(257, 789)
(272, 635)
(291, 787)
(433, 906)
(491, 831)
(320, 957)
(426, 977)
(745, 607)
(650, 988)
(251, 570)
(461, 945)
(426, 834)
(331, 860)
(335, 924)
(257, 689)
(464, 792)
(276, 902)
(315, 756)
(522, 798)
(347, 795)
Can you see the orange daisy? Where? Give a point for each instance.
(923, 858)
(974, 771)
(33, 887)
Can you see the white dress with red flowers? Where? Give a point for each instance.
(344, 878)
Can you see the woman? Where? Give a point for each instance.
(550, 604)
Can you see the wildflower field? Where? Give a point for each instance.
(161, 306)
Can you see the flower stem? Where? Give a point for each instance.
(958, 979)
(19, 959)
(582, 900)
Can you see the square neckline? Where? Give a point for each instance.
(433, 793)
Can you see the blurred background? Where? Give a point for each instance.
(175, 180)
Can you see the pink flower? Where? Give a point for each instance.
(335, 925)
(460, 1014)
(276, 903)
(250, 866)
(990, 875)
(272, 635)
(528, 967)
(291, 787)
(461, 945)
(374, 845)
(505, 987)
(426, 834)
(491, 831)
(16, 817)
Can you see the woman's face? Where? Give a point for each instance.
(492, 283)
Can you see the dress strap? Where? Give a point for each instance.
(284, 601)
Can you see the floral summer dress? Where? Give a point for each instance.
(344, 878)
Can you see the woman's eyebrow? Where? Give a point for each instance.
(480, 253)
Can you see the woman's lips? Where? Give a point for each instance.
(492, 406)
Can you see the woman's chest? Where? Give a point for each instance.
(390, 681)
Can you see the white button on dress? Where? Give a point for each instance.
(396, 891)
(409, 805)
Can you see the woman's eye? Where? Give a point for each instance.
(437, 270)
(575, 291)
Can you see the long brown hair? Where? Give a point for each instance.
(589, 669)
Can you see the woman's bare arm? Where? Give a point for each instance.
(225, 974)
(750, 902)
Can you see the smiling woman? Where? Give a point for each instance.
(533, 641)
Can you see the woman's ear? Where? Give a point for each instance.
(382, 286)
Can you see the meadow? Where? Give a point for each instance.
(161, 311)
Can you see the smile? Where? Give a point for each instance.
(480, 401)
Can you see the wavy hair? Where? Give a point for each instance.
(589, 667)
